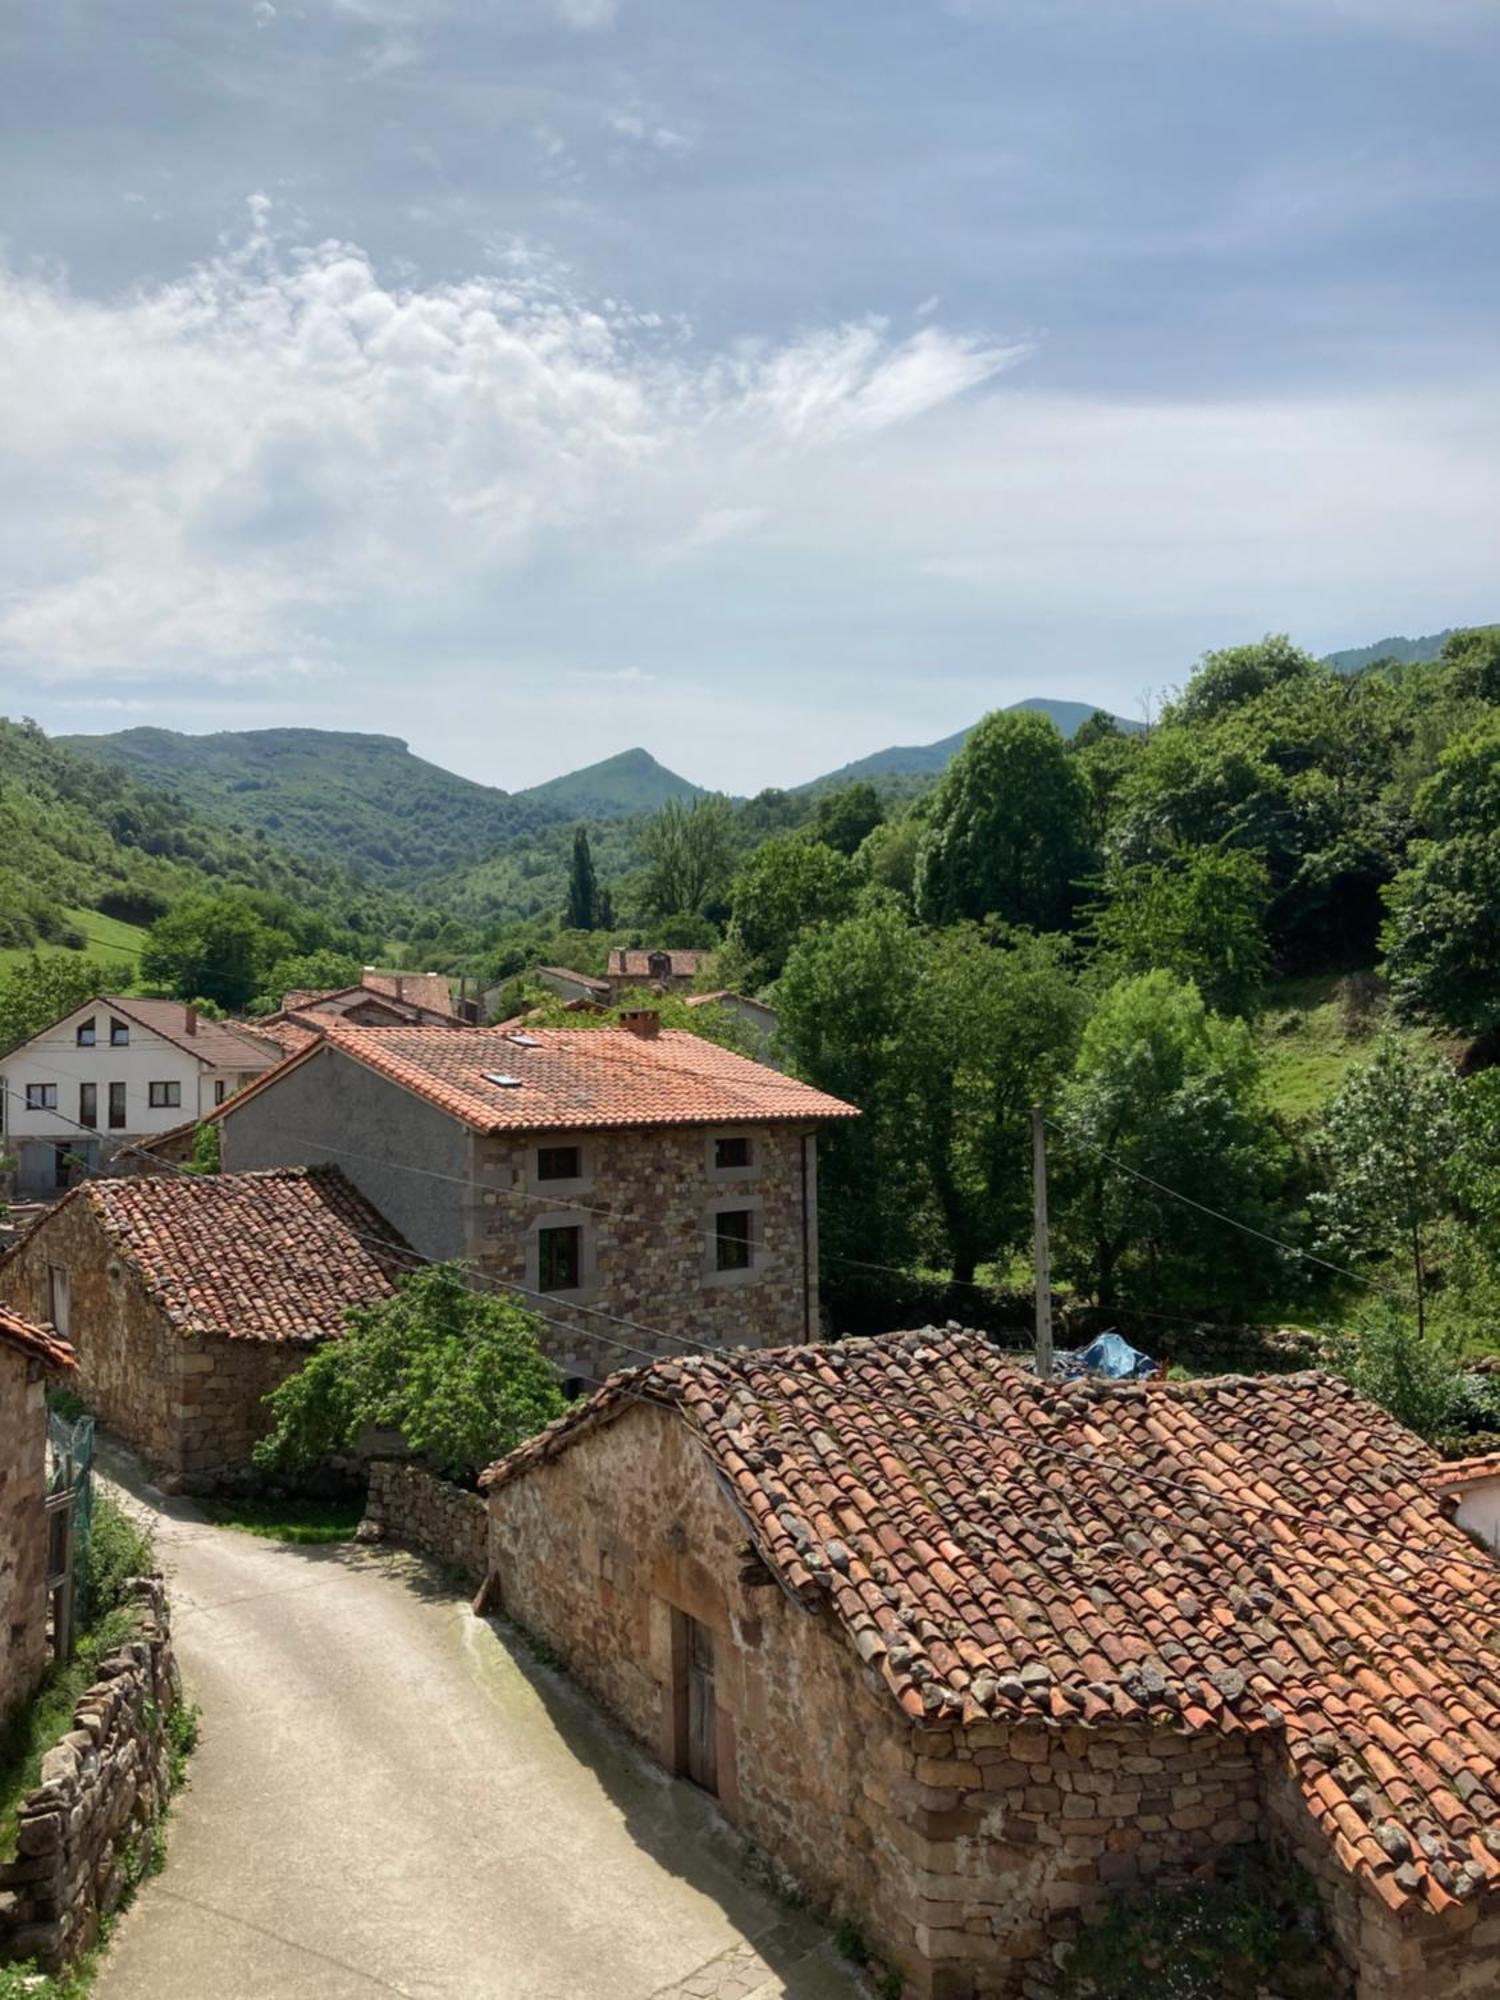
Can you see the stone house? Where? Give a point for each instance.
(110, 1075)
(756, 1017)
(579, 986)
(189, 1297)
(636, 1186)
(28, 1355)
(969, 1653)
(631, 971)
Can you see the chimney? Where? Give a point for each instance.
(190, 1019)
(642, 1021)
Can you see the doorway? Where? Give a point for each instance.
(696, 1703)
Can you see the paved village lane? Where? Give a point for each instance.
(389, 1799)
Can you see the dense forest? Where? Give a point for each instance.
(1249, 959)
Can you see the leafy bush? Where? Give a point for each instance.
(120, 1548)
(1408, 1373)
(456, 1371)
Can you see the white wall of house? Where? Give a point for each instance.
(1479, 1511)
(55, 1067)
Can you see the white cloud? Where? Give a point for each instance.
(282, 455)
(634, 123)
(587, 15)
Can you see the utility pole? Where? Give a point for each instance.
(1041, 1244)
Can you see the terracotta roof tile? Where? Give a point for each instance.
(1256, 1556)
(571, 1079)
(625, 963)
(265, 1256)
(1465, 1471)
(219, 1044)
(42, 1343)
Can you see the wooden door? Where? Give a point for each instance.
(702, 1708)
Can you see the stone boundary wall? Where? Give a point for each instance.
(87, 1828)
(443, 1520)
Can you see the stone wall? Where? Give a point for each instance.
(86, 1830)
(646, 1205)
(23, 1526)
(444, 1520)
(192, 1406)
(1416, 1957)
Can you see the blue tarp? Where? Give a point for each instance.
(1110, 1355)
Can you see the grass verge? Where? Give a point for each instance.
(302, 1521)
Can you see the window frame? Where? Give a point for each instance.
(588, 1244)
(165, 1101)
(119, 1107)
(760, 1259)
(60, 1292)
(558, 1190)
(739, 1242)
(88, 1105)
(119, 1033)
(733, 1175)
(86, 1035)
(546, 1235)
(38, 1098)
(572, 1152)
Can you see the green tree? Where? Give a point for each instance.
(687, 850)
(458, 1372)
(40, 988)
(1237, 674)
(583, 886)
(1005, 832)
(1474, 656)
(992, 1029)
(1442, 935)
(1409, 1373)
(787, 884)
(1166, 1092)
(304, 972)
(1393, 1134)
(218, 946)
(1199, 916)
(845, 818)
(888, 856)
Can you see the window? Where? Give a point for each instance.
(117, 1107)
(41, 1097)
(86, 1036)
(88, 1104)
(119, 1033)
(560, 1259)
(59, 1298)
(221, 1090)
(733, 1239)
(163, 1096)
(559, 1163)
(732, 1150)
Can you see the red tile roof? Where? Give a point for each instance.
(625, 963)
(423, 989)
(585, 979)
(1254, 1556)
(342, 1000)
(1467, 1471)
(219, 1044)
(571, 1079)
(266, 1256)
(41, 1343)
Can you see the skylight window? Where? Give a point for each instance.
(522, 1040)
(503, 1082)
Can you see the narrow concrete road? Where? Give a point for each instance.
(390, 1798)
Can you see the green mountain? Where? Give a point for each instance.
(927, 759)
(1410, 652)
(88, 851)
(363, 801)
(633, 782)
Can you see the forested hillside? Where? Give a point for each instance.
(363, 801)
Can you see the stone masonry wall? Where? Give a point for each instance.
(1420, 1957)
(192, 1406)
(968, 1859)
(124, 1348)
(444, 1520)
(595, 1551)
(23, 1527)
(88, 1826)
(646, 1205)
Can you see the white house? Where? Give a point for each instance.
(111, 1074)
(1471, 1489)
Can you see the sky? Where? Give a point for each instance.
(533, 379)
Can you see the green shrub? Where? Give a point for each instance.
(120, 1548)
